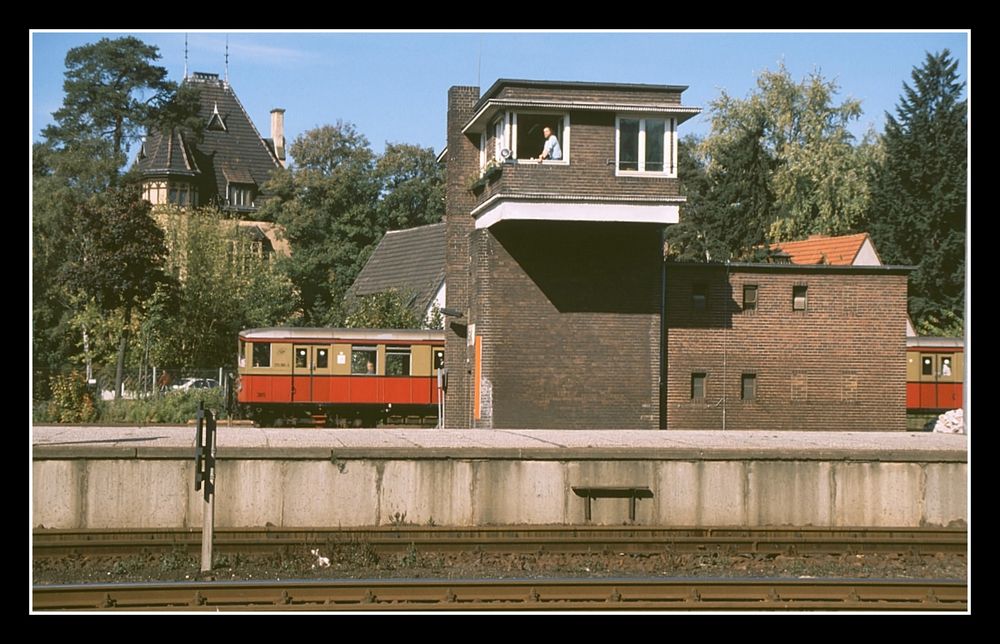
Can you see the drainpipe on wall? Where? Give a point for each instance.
(663, 328)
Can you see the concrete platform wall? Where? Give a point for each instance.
(289, 492)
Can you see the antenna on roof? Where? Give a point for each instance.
(227, 59)
(185, 56)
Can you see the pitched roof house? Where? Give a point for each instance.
(411, 261)
(842, 250)
(227, 166)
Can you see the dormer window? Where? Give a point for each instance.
(215, 123)
(241, 195)
(645, 145)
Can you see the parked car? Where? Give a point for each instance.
(196, 383)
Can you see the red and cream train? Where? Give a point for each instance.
(339, 377)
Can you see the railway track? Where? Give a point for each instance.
(517, 595)
(521, 539)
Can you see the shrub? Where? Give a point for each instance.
(72, 401)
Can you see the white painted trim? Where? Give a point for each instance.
(866, 255)
(598, 212)
(484, 116)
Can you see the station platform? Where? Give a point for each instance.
(62, 441)
(142, 477)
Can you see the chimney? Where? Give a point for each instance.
(278, 133)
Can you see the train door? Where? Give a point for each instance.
(302, 374)
(939, 381)
(949, 377)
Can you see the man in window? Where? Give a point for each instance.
(551, 150)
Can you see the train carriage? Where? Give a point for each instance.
(340, 377)
(934, 370)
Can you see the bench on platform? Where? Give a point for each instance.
(612, 492)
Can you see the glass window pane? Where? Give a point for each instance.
(397, 361)
(322, 358)
(928, 366)
(799, 298)
(363, 361)
(697, 386)
(262, 354)
(749, 297)
(748, 390)
(628, 144)
(301, 357)
(654, 145)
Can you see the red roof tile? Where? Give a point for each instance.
(820, 249)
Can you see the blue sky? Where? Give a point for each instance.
(393, 86)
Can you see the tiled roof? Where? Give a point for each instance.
(820, 249)
(411, 261)
(236, 153)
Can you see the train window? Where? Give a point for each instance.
(945, 366)
(699, 296)
(322, 358)
(301, 357)
(262, 354)
(697, 386)
(242, 358)
(799, 295)
(748, 386)
(363, 360)
(397, 361)
(749, 297)
(438, 358)
(927, 366)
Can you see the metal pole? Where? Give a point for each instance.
(208, 512)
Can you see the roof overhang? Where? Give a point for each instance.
(494, 106)
(526, 207)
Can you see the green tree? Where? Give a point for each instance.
(327, 206)
(411, 182)
(796, 136)
(226, 283)
(382, 310)
(918, 209)
(113, 94)
(116, 259)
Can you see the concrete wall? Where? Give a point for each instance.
(159, 493)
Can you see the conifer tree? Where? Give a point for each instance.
(918, 210)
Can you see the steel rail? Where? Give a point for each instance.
(517, 595)
(518, 539)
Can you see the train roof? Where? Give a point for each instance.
(933, 341)
(324, 333)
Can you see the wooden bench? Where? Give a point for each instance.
(612, 492)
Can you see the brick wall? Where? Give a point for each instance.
(839, 365)
(591, 94)
(462, 163)
(569, 318)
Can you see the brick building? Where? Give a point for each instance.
(561, 312)
(554, 266)
(784, 346)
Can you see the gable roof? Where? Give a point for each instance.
(821, 249)
(235, 152)
(411, 261)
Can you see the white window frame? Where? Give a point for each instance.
(482, 153)
(501, 136)
(669, 146)
(564, 144)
